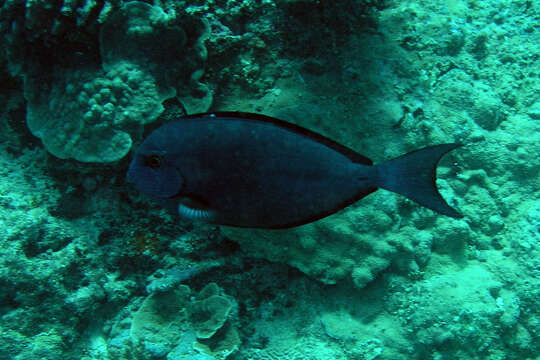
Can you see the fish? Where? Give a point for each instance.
(255, 171)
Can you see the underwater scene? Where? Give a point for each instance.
(269, 180)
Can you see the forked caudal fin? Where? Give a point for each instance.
(413, 175)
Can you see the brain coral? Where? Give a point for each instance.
(94, 75)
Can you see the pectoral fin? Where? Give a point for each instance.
(196, 210)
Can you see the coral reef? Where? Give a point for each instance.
(91, 270)
(89, 104)
(86, 122)
(456, 313)
(178, 323)
(349, 245)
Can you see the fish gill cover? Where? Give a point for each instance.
(91, 270)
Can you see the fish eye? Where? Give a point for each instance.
(153, 161)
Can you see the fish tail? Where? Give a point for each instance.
(413, 175)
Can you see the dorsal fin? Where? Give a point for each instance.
(351, 154)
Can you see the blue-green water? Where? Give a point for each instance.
(91, 269)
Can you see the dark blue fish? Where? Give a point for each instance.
(250, 170)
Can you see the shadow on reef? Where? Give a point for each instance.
(316, 28)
